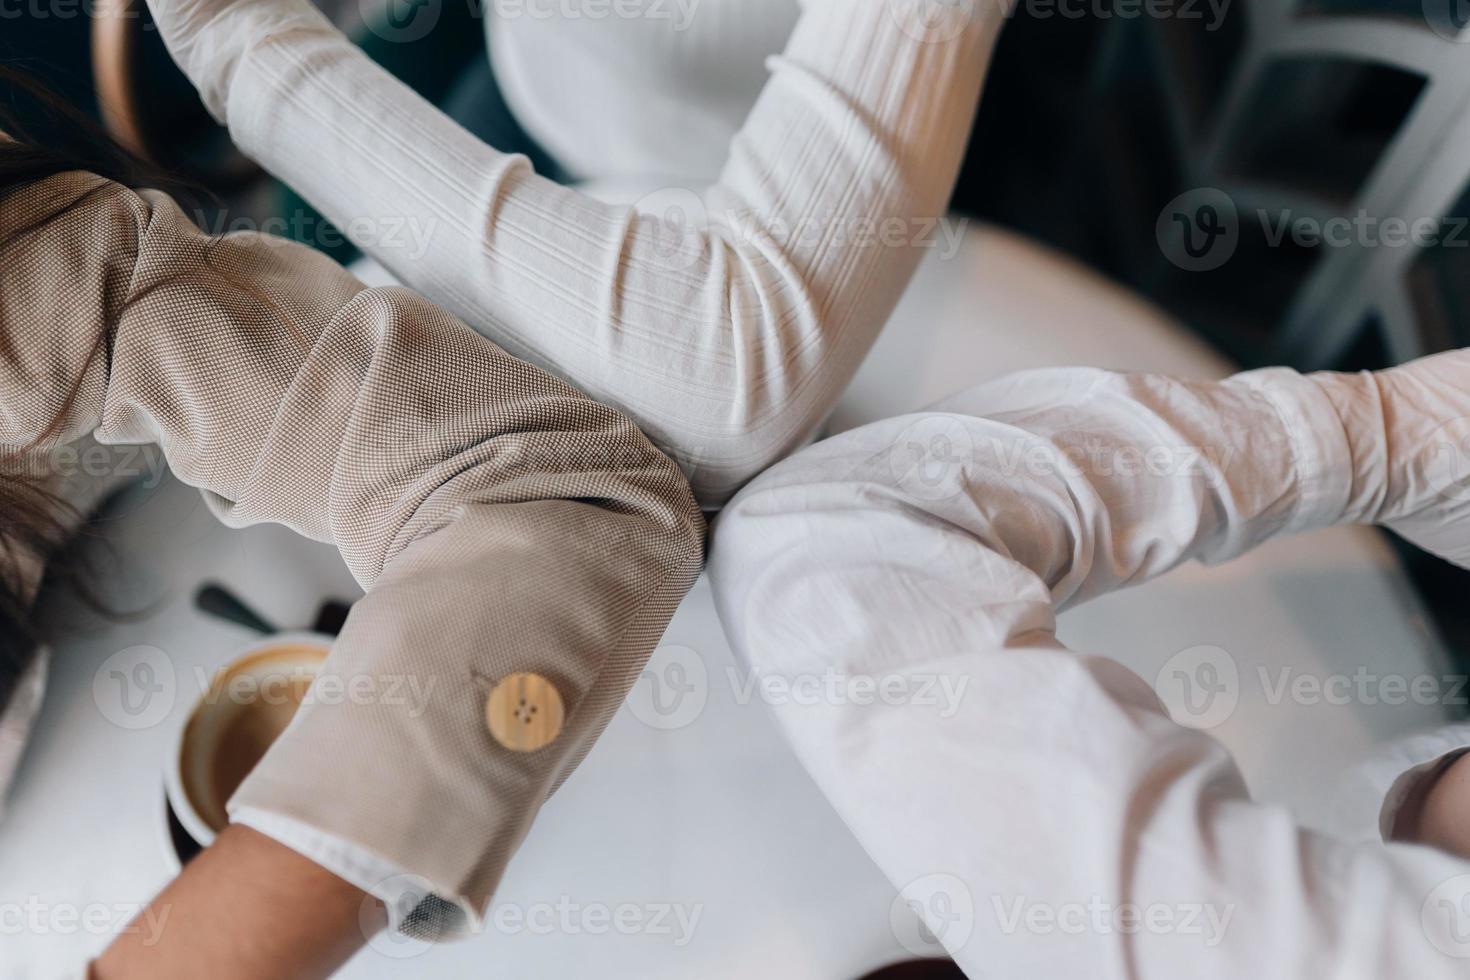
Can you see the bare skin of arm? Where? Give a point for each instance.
(248, 907)
(1437, 812)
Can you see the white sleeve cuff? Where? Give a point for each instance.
(398, 890)
(1321, 454)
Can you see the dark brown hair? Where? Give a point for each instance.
(34, 522)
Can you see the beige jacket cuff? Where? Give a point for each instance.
(419, 779)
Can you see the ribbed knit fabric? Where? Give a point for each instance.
(653, 88)
(726, 320)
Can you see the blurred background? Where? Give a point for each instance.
(1241, 163)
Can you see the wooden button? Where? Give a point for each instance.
(524, 712)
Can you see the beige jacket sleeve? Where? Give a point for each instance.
(500, 521)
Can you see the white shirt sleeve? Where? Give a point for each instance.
(1053, 794)
(1371, 795)
(726, 320)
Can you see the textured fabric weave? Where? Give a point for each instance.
(932, 552)
(499, 520)
(726, 320)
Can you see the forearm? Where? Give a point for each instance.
(727, 323)
(1096, 480)
(499, 521)
(1408, 430)
(925, 558)
(1137, 473)
(558, 589)
(246, 908)
(1085, 481)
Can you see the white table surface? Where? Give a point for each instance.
(714, 817)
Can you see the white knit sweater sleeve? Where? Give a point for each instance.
(726, 320)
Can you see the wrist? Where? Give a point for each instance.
(1436, 812)
(210, 42)
(1357, 402)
